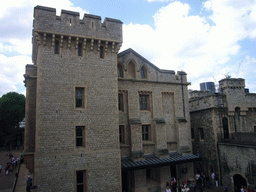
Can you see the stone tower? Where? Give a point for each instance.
(233, 88)
(72, 136)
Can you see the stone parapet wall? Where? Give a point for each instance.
(69, 23)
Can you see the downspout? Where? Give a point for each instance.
(220, 172)
(182, 91)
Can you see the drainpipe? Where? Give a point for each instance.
(182, 91)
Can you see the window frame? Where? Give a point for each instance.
(102, 52)
(122, 134)
(83, 136)
(120, 101)
(80, 50)
(143, 103)
(84, 183)
(146, 135)
(144, 70)
(57, 47)
(82, 99)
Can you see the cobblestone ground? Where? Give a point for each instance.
(6, 181)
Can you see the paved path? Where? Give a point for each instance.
(6, 181)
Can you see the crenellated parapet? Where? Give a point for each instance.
(46, 21)
(232, 83)
(69, 31)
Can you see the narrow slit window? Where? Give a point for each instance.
(101, 52)
(56, 48)
(121, 134)
(120, 102)
(79, 49)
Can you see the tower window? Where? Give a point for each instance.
(79, 49)
(102, 52)
(79, 97)
(56, 48)
(80, 136)
(81, 181)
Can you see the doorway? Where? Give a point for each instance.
(239, 181)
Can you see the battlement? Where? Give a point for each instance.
(69, 23)
(232, 83)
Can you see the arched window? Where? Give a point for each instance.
(131, 69)
(120, 70)
(143, 73)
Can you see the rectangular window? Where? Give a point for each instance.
(80, 136)
(56, 48)
(146, 132)
(201, 134)
(102, 52)
(79, 49)
(192, 133)
(81, 181)
(79, 97)
(120, 102)
(121, 133)
(144, 102)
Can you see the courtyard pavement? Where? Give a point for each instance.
(6, 181)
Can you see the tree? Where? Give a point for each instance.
(12, 111)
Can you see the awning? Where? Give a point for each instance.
(153, 161)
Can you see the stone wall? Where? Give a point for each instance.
(238, 159)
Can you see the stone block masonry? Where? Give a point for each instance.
(69, 53)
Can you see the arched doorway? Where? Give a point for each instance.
(239, 181)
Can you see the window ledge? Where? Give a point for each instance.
(80, 148)
(144, 111)
(79, 108)
(124, 145)
(148, 143)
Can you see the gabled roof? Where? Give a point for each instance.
(127, 51)
(153, 161)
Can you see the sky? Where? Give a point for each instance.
(208, 39)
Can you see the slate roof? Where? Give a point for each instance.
(153, 161)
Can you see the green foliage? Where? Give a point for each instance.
(12, 111)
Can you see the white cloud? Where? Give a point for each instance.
(11, 73)
(16, 19)
(159, 1)
(189, 42)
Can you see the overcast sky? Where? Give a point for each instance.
(208, 39)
